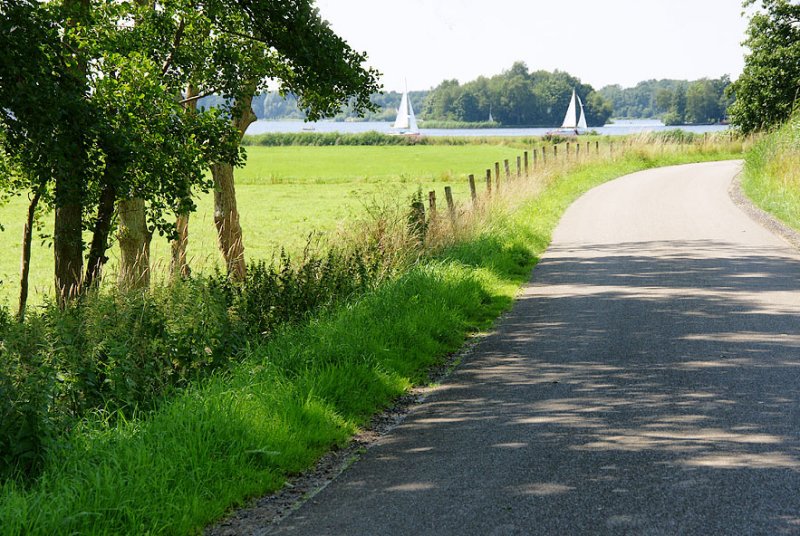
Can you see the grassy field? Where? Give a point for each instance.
(241, 433)
(284, 195)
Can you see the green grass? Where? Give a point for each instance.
(284, 194)
(772, 173)
(243, 432)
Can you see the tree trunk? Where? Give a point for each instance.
(179, 266)
(102, 228)
(226, 215)
(68, 219)
(134, 245)
(25, 263)
(68, 251)
(226, 219)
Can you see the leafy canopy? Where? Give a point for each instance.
(769, 87)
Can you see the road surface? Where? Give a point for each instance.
(647, 381)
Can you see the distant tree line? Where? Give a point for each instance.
(519, 97)
(676, 102)
(516, 97)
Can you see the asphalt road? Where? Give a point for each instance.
(647, 381)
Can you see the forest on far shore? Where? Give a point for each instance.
(519, 97)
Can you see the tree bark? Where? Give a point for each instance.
(226, 214)
(68, 251)
(102, 228)
(134, 245)
(25, 263)
(179, 265)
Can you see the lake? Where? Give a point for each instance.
(618, 128)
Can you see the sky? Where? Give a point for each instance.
(601, 42)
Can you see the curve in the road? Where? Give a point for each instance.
(646, 382)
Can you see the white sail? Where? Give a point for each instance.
(412, 120)
(405, 115)
(582, 120)
(402, 120)
(571, 117)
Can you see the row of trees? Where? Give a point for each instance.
(515, 97)
(676, 102)
(99, 123)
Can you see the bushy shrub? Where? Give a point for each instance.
(113, 352)
(280, 292)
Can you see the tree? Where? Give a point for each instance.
(768, 89)
(285, 42)
(115, 131)
(121, 144)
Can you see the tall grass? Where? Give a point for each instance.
(288, 398)
(772, 172)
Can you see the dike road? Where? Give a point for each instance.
(647, 381)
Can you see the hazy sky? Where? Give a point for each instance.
(599, 41)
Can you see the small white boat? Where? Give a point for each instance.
(573, 123)
(406, 122)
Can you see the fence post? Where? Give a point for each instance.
(525, 156)
(519, 167)
(577, 151)
(555, 152)
(507, 170)
(417, 221)
(489, 181)
(596, 147)
(451, 206)
(473, 192)
(534, 158)
(432, 202)
(567, 151)
(497, 176)
(544, 155)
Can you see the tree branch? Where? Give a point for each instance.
(175, 44)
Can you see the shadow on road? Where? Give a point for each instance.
(626, 392)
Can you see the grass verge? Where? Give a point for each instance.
(772, 173)
(243, 431)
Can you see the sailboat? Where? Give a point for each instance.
(405, 122)
(571, 120)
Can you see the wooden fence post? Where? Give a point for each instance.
(577, 151)
(555, 152)
(451, 206)
(519, 167)
(432, 202)
(596, 147)
(507, 170)
(567, 153)
(525, 156)
(544, 155)
(473, 192)
(534, 158)
(497, 176)
(489, 181)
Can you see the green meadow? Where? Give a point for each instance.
(285, 195)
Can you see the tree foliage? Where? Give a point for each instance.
(769, 87)
(516, 97)
(92, 108)
(676, 102)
